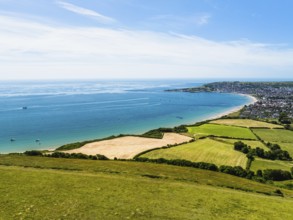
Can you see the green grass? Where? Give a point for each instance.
(275, 135)
(221, 130)
(248, 123)
(262, 164)
(203, 150)
(83, 189)
(252, 144)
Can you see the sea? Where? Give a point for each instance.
(47, 114)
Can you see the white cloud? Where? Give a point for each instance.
(34, 50)
(86, 12)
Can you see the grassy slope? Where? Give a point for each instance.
(261, 164)
(245, 123)
(203, 150)
(253, 144)
(221, 130)
(275, 135)
(121, 190)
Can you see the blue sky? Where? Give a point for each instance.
(71, 39)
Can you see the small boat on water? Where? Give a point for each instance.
(179, 117)
(38, 140)
(12, 140)
(24, 107)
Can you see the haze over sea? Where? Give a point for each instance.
(60, 112)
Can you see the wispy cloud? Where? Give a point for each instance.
(202, 19)
(86, 12)
(36, 50)
(181, 21)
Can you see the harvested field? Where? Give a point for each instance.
(248, 123)
(129, 146)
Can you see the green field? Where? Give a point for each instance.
(248, 123)
(261, 164)
(275, 135)
(203, 150)
(221, 130)
(252, 144)
(49, 188)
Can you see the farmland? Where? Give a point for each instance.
(275, 135)
(252, 144)
(221, 130)
(204, 150)
(261, 164)
(81, 189)
(248, 123)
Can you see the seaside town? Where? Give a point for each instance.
(274, 99)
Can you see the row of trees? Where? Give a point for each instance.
(58, 154)
(262, 176)
(275, 153)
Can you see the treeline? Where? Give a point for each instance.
(67, 155)
(275, 175)
(261, 176)
(179, 162)
(159, 133)
(275, 153)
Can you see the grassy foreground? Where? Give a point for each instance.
(33, 188)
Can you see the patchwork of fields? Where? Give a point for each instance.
(214, 144)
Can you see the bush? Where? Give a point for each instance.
(33, 153)
(276, 175)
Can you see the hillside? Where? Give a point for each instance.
(50, 188)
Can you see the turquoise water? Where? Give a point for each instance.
(63, 112)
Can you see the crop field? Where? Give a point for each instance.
(261, 164)
(203, 150)
(275, 135)
(248, 123)
(33, 188)
(252, 144)
(222, 131)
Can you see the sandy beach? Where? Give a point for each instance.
(252, 101)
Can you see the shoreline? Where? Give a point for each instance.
(235, 109)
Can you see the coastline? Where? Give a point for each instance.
(235, 109)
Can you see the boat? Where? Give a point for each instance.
(12, 139)
(24, 107)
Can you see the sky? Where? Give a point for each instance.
(121, 39)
